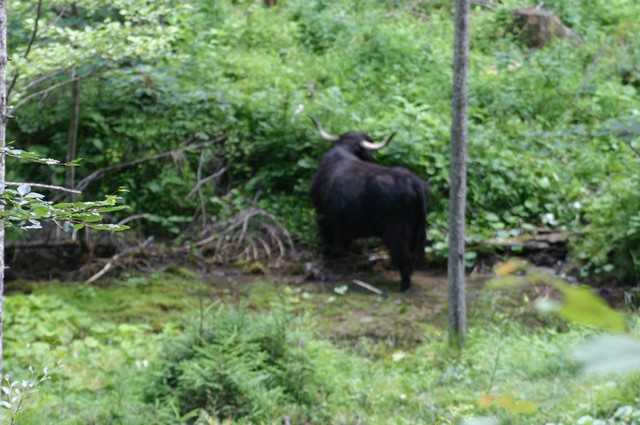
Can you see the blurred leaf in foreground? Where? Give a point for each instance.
(584, 307)
(482, 420)
(509, 404)
(510, 266)
(608, 354)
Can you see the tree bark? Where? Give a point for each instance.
(3, 127)
(457, 314)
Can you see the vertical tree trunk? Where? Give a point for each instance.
(72, 142)
(458, 178)
(3, 126)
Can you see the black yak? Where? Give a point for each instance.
(357, 198)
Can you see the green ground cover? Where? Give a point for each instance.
(145, 349)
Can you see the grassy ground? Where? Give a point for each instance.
(385, 359)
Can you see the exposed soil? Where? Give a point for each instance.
(347, 311)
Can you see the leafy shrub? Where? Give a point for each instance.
(611, 243)
(236, 67)
(45, 330)
(231, 364)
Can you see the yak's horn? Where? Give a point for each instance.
(376, 146)
(326, 136)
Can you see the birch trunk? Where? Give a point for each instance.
(457, 314)
(3, 127)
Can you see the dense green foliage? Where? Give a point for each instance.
(235, 365)
(553, 132)
(256, 367)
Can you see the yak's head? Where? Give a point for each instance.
(359, 144)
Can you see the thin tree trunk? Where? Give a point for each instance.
(458, 179)
(3, 126)
(72, 143)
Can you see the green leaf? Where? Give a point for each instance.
(470, 255)
(90, 218)
(23, 189)
(112, 227)
(62, 205)
(41, 210)
(34, 195)
(584, 307)
(111, 209)
(35, 224)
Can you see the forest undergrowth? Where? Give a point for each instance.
(173, 348)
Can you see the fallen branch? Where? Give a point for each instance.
(104, 270)
(249, 235)
(369, 287)
(115, 258)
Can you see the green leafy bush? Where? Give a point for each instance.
(540, 153)
(233, 364)
(611, 243)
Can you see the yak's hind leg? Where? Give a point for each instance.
(401, 255)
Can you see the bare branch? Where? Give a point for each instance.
(250, 234)
(588, 76)
(484, 3)
(133, 217)
(205, 180)
(633, 148)
(53, 23)
(265, 245)
(34, 33)
(115, 258)
(256, 253)
(203, 204)
(82, 184)
(53, 87)
(365, 285)
(32, 39)
(44, 186)
(43, 78)
(103, 271)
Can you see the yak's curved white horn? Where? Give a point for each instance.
(376, 146)
(326, 136)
